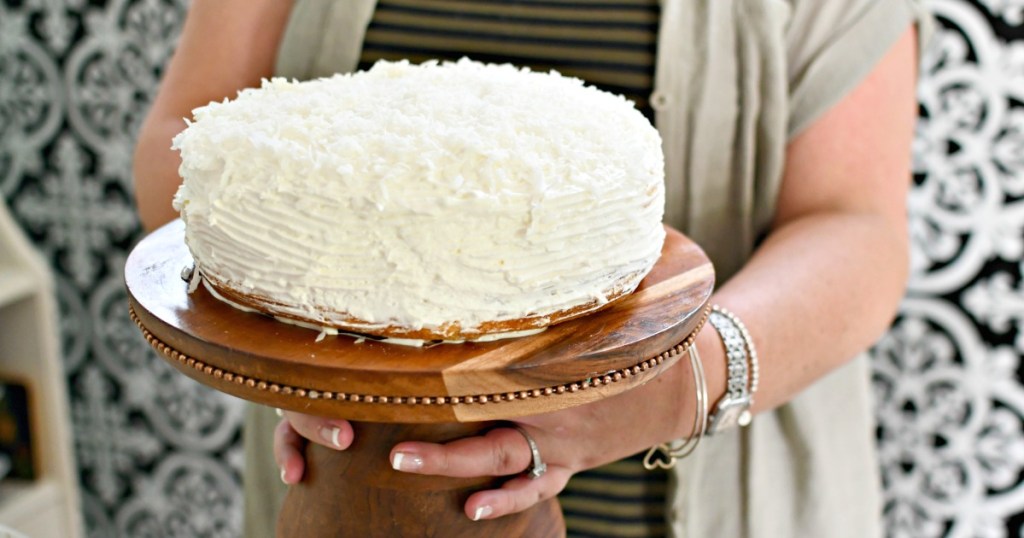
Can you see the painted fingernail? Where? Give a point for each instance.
(482, 512)
(406, 462)
(282, 476)
(331, 436)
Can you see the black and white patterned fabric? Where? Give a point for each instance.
(159, 455)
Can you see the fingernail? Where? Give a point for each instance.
(331, 436)
(482, 512)
(406, 462)
(282, 476)
(278, 412)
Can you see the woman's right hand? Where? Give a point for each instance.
(288, 443)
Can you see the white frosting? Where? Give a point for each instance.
(324, 332)
(419, 196)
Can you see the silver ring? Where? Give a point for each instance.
(538, 467)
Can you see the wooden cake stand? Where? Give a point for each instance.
(395, 393)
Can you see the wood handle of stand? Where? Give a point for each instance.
(355, 492)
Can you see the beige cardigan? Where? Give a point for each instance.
(734, 80)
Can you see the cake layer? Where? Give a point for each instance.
(418, 199)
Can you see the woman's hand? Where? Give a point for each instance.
(288, 441)
(569, 441)
(502, 451)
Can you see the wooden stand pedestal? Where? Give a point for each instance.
(398, 393)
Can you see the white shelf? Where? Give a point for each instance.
(19, 497)
(30, 352)
(15, 284)
(28, 507)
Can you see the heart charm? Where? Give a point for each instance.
(659, 457)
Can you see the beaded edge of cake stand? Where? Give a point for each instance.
(316, 394)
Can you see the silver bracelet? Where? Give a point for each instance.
(742, 370)
(749, 342)
(674, 451)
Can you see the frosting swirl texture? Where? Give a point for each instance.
(444, 200)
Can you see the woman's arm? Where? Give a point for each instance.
(828, 279)
(225, 46)
(820, 289)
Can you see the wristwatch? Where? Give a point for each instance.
(734, 407)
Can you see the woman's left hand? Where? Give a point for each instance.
(569, 441)
(502, 451)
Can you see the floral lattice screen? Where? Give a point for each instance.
(159, 455)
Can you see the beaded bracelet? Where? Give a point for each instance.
(742, 372)
(748, 342)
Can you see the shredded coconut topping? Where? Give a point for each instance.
(422, 195)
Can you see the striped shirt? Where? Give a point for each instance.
(608, 43)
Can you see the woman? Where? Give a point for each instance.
(787, 129)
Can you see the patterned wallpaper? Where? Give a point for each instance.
(948, 374)
(159, 455)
